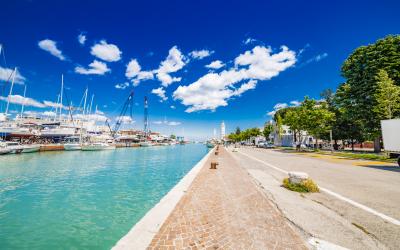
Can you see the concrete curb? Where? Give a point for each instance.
(142, 233)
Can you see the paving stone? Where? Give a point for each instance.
(225, 209)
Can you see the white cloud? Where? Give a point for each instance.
(160, 92)
(174, 62)
(126, 119)
(316, 58)
(215, 65)
(249, 40)
(55, 105)
(200, 54)
(172, 107)
(295, 103)
(135, 74)
(168, 123)
(20, 100)
(282, 105)
(95, 68)
(7, 75)
(122, 85)
(105, 51)
(173, 123)
(51, 47)
(82, 38)
(215, 89)
(49, 113)
(279, 106)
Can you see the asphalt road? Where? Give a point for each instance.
(373, 185)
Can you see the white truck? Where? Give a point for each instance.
(391, 137)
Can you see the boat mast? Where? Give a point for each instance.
(84, 103)
(61, 95)
(146, 118)
(23, 103)
(91, 103)
(11, 89)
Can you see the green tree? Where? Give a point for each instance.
(387, 96)
(268, 129)
(172, 136)
(360, 70)
(237, 132)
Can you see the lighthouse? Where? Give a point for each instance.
(222, 130)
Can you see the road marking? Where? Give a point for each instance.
(336, 195)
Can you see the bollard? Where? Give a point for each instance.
(214, 165)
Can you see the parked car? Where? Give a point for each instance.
(269, 145)
(261, 144)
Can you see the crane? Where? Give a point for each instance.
(127, 105)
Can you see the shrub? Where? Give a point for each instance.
(307, 186)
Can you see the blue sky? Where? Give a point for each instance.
(270, 53)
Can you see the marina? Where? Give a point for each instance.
(85, 200)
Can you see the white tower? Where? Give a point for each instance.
(222, 130)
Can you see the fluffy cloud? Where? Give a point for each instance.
(82, 38)
(126, 119)
(7, 75)
(295, 103)
(55, 105)
(135, 74)
(122, 85)
(26, 101)
(172, 107)
(215, 65)
(279, 106)
(51, 47)
(95, 68)
(160, 92)
(200, 54)
(105, 51)
(283, 105)
(215, 89)
(168, 123)
(174, 62)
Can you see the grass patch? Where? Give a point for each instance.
(307, 186)
(363, 156)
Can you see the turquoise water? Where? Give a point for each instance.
(85, 200)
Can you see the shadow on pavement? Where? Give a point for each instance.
(383, 167)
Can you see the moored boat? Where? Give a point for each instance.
(72, 143)
(15, 147)
(30, 148)
(97, 146)
(145, 144)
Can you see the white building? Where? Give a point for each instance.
(222, 130)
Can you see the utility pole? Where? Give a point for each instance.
(330, 136)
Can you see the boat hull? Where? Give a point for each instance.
(97, 147)
(31, 149)
(4, 151)
(72, 147)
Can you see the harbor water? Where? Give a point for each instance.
(85, 200)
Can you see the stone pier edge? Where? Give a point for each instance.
(142, 233)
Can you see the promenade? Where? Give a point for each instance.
(224, 209)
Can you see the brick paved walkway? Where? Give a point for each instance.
(224, 209)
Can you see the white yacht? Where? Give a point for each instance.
(145, 144)
(3, 149)
(17, 148)
(97, 146)
(72, 143)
